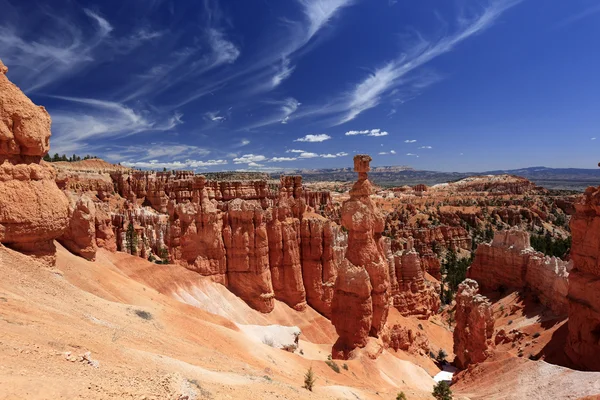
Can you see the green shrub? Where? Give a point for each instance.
(333, 365)
(442, 391)
(401, 396)
(309, 379)
(143, 314)
(441, 356)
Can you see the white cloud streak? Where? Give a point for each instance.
(249, 158)
(187, 164)
(61, 50)
(314, 138)
(396, 74)
(306, 155)
(96, 119)
(368, 132)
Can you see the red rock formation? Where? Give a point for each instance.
(283, 231)
(413, 295)
(502, 184)
(80, 235)
(399, 337)
(351, 310)
(247, 246)
(33, 211)
(105, 237)
(474, 325)
(196, 239)
(364, 224)
(157, 188)
(583, 346)
(509, 261)
(323, 251)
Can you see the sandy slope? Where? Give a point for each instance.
(518, 378)
(179, 350)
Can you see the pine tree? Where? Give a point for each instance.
(309, 379)
(47, 158)
(55, 157)
(442, 391)
(131, 239)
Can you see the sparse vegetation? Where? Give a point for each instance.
(454, 271)
(536, 335)
(401, 396)
(131, 239)
(309, 379)
(143, 314)
(333, 365)
(345, 366)
(550, 246)
(441, 356)
(56, 157)
(442, 391)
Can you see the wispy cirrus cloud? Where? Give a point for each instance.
(426, 147)
(94, 119)
(60, 50)
(314, 138)
(271, 67)
(410, 141)
(306, 155)
(589, 11)
(394, 76)
(187, 164)
(280, 114)
(368, 132)
(385, 153)
(153, 151)
(213, 50)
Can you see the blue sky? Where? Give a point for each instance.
(450, 85)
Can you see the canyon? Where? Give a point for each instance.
(189, 286)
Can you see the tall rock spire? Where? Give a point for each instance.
(361, 299)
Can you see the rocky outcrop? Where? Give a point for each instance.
(501, 184)
(196, 238)
(583, 343)
(323, 251)
(33, 211)
(157, 188)
(80, 235)
(399, 337)
(510, 262)
(368, 269)
(105, 236)
(474, 325)
(284, 235)
(351, 310)
(247, 246)
(413, 294)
